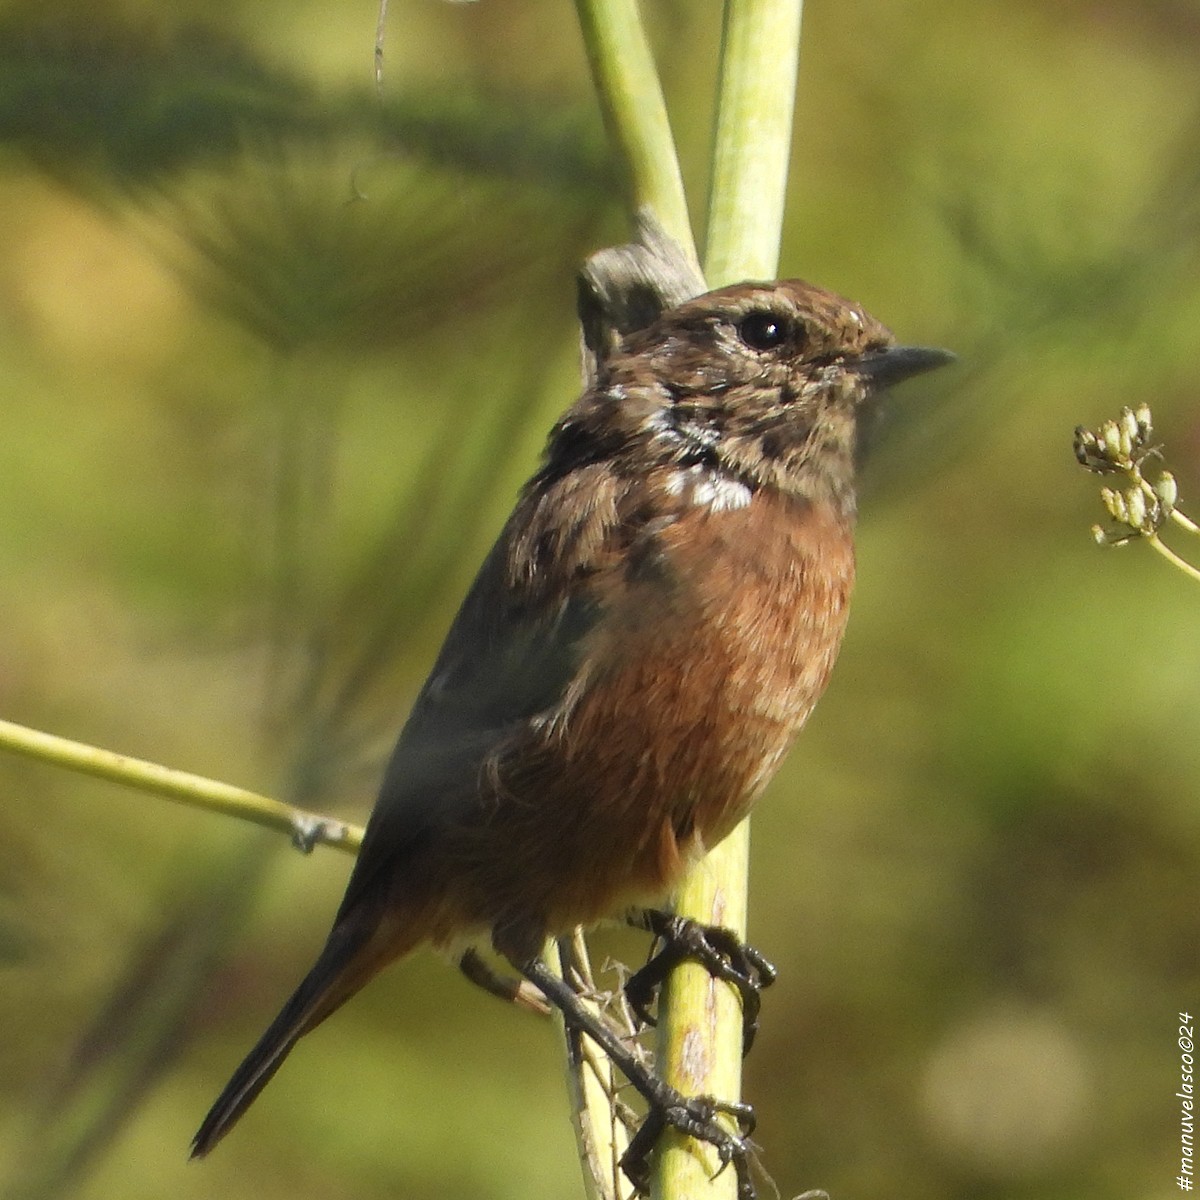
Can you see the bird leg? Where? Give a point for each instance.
(507, 987)
(696, 1116)
(720, 951)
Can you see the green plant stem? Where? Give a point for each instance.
(635, 113)
(306, 829)
(700, 1025)
(759, 61)
(1184, 522)
(1173, 558)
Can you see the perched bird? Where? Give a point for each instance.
(640, 647)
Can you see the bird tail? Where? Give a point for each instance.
(344, 966)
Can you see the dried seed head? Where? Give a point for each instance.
(1135, 508)
(1110, 438)
(1129, 431)
(1167, 490)
(1114, 501)
(1145, 423)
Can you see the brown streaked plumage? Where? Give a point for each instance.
(653, 626)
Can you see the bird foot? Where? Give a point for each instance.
(667, 1108)
(698, 1117)
(720, 951)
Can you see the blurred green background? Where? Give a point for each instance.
(275, 356)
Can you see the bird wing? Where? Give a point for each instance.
(507, 658)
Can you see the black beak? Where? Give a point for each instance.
(883, 368)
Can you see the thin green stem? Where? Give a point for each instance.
(635, 113)
(1171, 557)
(1184, 521)
(306, 829)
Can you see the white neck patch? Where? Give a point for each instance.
(704, 487)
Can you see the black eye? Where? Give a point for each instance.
(766, 330)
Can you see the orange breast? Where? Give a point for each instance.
(705, 665)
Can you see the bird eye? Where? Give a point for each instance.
(766, 330)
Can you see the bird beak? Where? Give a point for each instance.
(883, 368)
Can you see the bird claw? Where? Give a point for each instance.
(697, 1117)
(720, 951)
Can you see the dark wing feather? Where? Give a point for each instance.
(506, 658)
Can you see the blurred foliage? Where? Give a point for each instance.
(276, 352)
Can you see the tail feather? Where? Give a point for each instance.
(334, 978)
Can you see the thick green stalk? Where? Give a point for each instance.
(700, 1024)
(700, 1030)
(759, 58)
